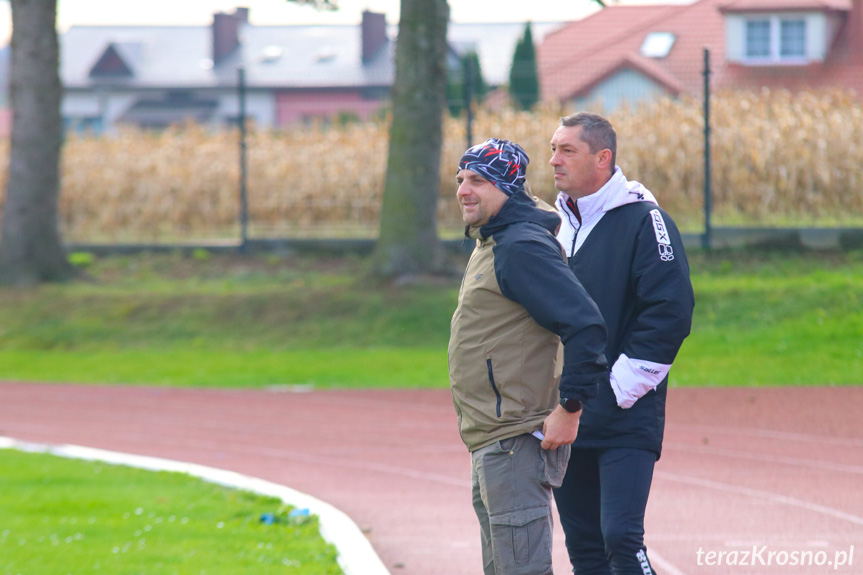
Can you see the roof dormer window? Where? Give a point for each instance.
(775, 38)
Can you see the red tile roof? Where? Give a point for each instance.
(571, 59)
(785, 5)
(582, 54)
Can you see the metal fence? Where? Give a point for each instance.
(721, 151)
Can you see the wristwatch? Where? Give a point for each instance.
(571, 405)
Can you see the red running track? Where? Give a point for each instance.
(774, 470)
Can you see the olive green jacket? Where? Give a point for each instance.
(517, 302)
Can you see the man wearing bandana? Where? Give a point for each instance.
(526, 352)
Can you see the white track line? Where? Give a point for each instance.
(664, 565)
(814, 464)
(355, 554)
(365, 466)
(769, 433)
(775, 497)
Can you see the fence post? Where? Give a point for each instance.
(468, 99)
(244, 200)
(706, 240)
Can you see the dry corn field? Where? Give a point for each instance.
(778, 159)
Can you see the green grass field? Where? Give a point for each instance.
(66, 516)
(775, 320)
(760, 319)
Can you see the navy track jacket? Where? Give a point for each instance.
(628, 254)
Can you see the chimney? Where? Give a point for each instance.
(226, 33)
(374, 34)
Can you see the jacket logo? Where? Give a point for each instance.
(663, 240)
(666, 254)
(639, 195)
(478, 277)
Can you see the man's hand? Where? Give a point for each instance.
(560, 428)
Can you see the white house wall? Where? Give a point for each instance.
(110, 105)
(816, 37)
(735, 36)
(626, 86)
(260, 107)
(107, 105)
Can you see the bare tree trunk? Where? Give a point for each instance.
(30, 247)
(408, 241)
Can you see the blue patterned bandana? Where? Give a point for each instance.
(501, 162)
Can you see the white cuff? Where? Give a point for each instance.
(633, 378)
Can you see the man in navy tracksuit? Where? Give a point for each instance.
(627, 253)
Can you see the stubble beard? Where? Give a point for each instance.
(473, 218)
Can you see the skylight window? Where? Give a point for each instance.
(272, 53)
(326, 54)
(657, 44)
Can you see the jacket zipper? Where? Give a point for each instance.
(493, 386)
(467, 267)
(573, 207)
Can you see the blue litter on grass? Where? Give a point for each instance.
(272, 518)
(268, 518)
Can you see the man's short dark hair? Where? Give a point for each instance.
(596, 132)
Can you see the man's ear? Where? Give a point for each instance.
(603, 159)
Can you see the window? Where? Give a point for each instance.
(758, 39)
(83, 125)
(272, 53)
(657, 44)
(776, 39)
(792, 39)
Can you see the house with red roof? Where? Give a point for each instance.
(635, 53)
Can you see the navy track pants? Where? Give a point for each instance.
(601, 505)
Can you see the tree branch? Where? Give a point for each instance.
(319, 4)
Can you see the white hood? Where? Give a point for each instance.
(616, 192)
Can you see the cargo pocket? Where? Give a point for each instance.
(554, 465)
(522, 540)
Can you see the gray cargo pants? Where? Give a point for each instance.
(512, 481)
